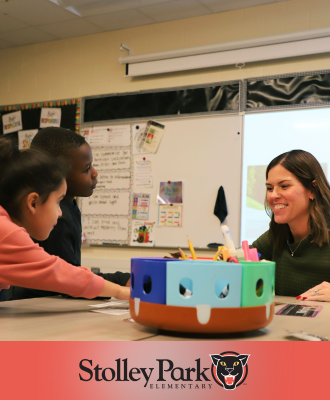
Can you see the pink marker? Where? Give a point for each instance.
(245, 247)
(254, 255)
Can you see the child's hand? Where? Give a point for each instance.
(113, 290)
(124, 293)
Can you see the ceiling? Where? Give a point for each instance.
(24, 22)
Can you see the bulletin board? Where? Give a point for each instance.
(70, 115)
(204, 152)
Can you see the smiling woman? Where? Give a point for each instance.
(298, 202)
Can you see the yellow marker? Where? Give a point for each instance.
(217, 254)
(225, 254)
(183, 255)
(192, 250)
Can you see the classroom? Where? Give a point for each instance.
(52, 57)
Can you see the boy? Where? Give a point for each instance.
(65, 239)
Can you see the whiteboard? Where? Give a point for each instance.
(204, 153)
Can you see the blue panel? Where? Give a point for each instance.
(204, 276)
(155, 268)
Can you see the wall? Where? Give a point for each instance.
(89, 65)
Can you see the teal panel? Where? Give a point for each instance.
(205, 276)
(252, 273)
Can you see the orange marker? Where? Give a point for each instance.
(192, 250)
(225, 254)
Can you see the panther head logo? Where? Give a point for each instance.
(229, 369)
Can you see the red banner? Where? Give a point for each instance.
(164, 370)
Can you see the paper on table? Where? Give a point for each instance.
(111, 312)
(170, 215)
(106, 203)
(141, 204)
(104, 228)
(111, 303)
(25, 138)
(143, 174)
(108, 136)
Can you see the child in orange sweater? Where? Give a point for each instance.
(32, 184)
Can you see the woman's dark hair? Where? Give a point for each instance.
(305, 167)
(24, 172)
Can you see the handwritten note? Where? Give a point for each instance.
(108, 136)
(12, 122)
(106, 203)
(104, 228)
(113, 180)
(25, 138)
(112, 159)
(50, 117)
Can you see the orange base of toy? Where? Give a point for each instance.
(184, 319)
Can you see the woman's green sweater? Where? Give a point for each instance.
(309, 266)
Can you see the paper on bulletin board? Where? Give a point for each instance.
(138, 131)
(170, 193)
(25, 138)
(50, 117)
(143, 174)
(143, 233)
(106, 203)
(113, 180)
(152, 136)
(12, 122)
(108, 136)
(170, 216)
(104, 228)
(141, 204)
(112, 158)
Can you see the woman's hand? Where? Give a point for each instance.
(317, 293)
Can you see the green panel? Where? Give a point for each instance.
(252, 272)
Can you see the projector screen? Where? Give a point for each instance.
(266, 136)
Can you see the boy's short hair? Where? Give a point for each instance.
(57, 141)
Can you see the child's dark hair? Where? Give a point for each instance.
(24, 172)
(57, 141)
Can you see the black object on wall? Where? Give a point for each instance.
(288, 91)
(165, 103)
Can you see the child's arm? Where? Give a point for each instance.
(24, 263)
